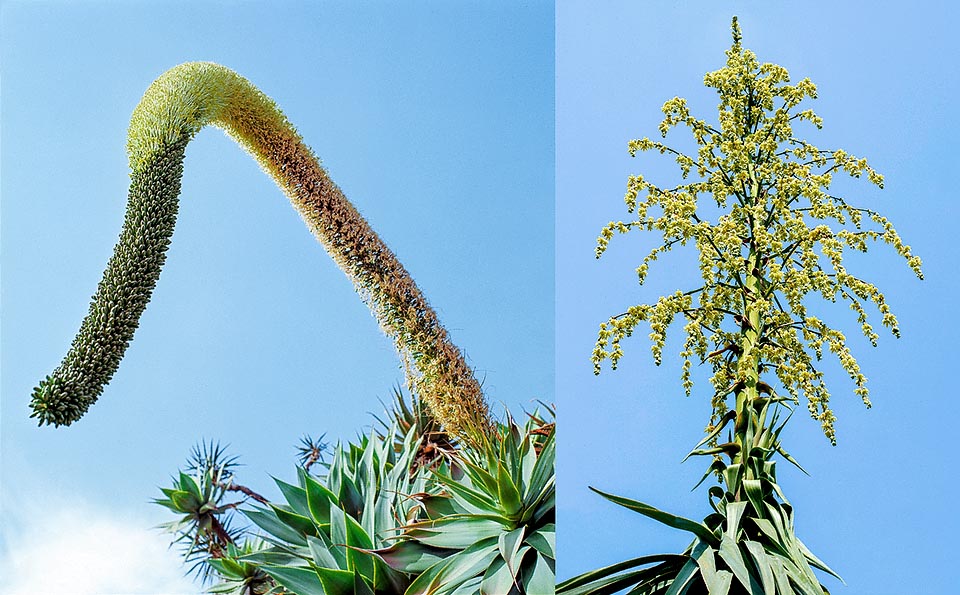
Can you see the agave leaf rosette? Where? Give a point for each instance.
(322, 538)
(378, 521)
(204, 525)
(746, 545)
(435, 443)
(493, 521)
(239, 577)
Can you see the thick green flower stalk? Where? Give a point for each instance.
(175, 107)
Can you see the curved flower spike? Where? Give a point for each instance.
(175, 107)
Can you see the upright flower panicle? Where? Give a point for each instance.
(777, 235)
(780, 236)
(175, 107)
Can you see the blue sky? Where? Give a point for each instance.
(436, 121)
(879, 506)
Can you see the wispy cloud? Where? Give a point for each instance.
(72, 548)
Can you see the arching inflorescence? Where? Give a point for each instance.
(175, 107)
(779, 235)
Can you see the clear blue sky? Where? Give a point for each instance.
(880, 506)
(436, 120)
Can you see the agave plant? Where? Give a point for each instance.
(435, 444)
(376, 520)
(238, 577)
(493, 521)
(206, 527)
(311, 451)
(772, 236)
(481, 521)
(321, 538)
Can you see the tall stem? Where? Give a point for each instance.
(748, 365)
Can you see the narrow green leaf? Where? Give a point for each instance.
(268, 521)
(764, 564)
(185, 501)
(468, 587)
(720, 584)
(509, 544)
(730, 553)
(544, 540)
(783, 580)
(527, 463)
(546, 506)
(298, 523)
(360, 586)
(296, 497)
(545, 468)
(541, 576)
(228, 588)
(189, 484)
(792, 460)
(227, 567)
(318, 500)
(815, 561)
(498, 579)
(684, 579)
(456, 532)
(607, 571)
(766, 527)
(648, 581)
(338, 530)
(273, 557)
(480, 477)
(338, 551)
(412, 556)
(302, 581)
(438, 507)
(780, 525)
(479, 501)
(321, 553)
(717, 466)
(731, 476)
(471, 562)
(721, 424)
(507, 492)
(701, 531)
(336, 582)
(359, 543)
(805, 584)
(700, 452)
(706, 561)
(426, 583)
(754, 489)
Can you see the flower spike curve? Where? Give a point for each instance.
(175, 107)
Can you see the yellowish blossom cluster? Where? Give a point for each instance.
(780, 236)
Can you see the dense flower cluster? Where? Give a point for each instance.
(174, 108)
(779, 235)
